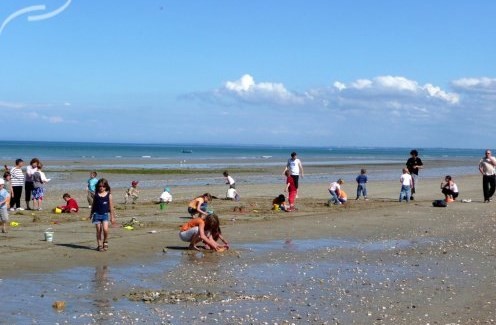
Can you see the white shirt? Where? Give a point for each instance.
(406, 180)
(231, 193)
(487, 165)
(294, 166)
(334, 186)
(165, 197)
(230, 180)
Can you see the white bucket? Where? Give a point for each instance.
(49, 235)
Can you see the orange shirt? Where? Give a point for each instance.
(196, 222)
(194, 203)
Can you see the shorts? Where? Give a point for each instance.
(97, 218)
(37, 193)
(188, 234)
(4, 215)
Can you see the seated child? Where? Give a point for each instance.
(132, 193)
(199, 205)
(278, 203)
(71, 205)
(232, 194)
(166, 196)
(343, 197)
(199, 229)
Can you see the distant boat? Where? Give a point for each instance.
(187, 151)
(266, 157)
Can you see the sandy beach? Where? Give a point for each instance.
(366, 262)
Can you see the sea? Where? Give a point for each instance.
(64, 156)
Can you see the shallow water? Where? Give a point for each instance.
(278, 280)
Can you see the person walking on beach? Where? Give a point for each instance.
(102, 210)
(362, 184)
(295, 168)
(290, 188)
(91, 188)
(28, 181)
(406, 181)
(414, 163)
(486, 168)
(17, 184)
(229, 180)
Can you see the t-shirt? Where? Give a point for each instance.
(294, 166)
(92, 184)
(292, 186)
(343, 195)
(71, 204)
(486, 164)
(193, 223)
(29, 173)
(4, 194)
(165, 197)
(17, 176)
(406, 179)
(361, 179)
(230, 180)
(231, 193)
(412, 162)
(334, 187)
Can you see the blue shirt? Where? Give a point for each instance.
(361, 179)
(91, 184)
(4, 194)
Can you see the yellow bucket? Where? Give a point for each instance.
(57, 210)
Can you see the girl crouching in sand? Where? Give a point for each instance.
(100, 209)
(200, 229)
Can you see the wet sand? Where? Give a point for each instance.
(367, 262)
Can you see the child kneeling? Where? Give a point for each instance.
(199, 229)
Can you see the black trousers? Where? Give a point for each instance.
(295, 179)
(28, 188)
(488, 186)
(15, 202)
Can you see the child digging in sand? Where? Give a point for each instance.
(101, 209)
(200, 229)
(198, 206)
(71, 206)
(132, 193)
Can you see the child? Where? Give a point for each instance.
(232, 194)
(343, 197)
(197, 229)
(199, 205)
(4, 204)
(229, 180)
(291, 189)
(406, 185)
(38, 191)
(28, 181)
(166, 196)
(334, 189)
(132, 192)
(449, 189)
(102, 206)
(8, 185)
(91, 188)
(71, 204)
(279, 203)
(361, 184)
(216, 234)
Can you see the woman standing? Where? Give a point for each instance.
(29, 184)
(17, 182)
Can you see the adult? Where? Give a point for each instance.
(414, 163)
(28, 181)
(295, 168)
(449, 189)
(486, 168)
(17, 182)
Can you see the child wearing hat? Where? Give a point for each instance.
(132, 193)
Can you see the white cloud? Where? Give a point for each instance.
(476, 85)
(11, 105)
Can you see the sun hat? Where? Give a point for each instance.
(134, 183)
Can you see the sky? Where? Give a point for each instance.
(304, 73)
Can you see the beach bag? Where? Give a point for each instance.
(439, 204)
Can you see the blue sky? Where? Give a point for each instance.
(332, 73)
